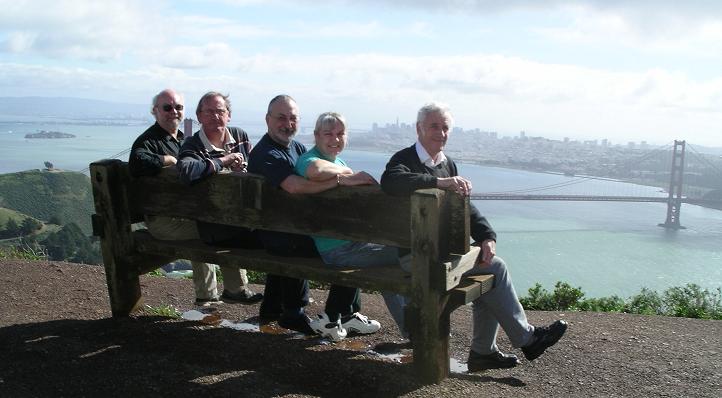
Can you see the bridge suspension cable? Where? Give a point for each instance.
(543, 187)
(116, 156)
(698, 156)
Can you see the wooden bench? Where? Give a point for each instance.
(434, 224)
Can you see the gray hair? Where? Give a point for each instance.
(212, 94)
(433, 107)
(156, 97)
(327, 119)
(278, 98)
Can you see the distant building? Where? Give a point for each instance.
(188, 127)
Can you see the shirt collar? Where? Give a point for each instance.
(227, 139)
(426, 158)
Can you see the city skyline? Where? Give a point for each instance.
(590, 69)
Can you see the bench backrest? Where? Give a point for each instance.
(363, 214)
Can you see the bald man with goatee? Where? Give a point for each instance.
(153, 150)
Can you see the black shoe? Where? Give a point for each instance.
(301, 324)
(495, 360)
(205, 302)
(265, 316)
(544, 337)
(243, 297)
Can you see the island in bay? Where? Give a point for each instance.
(49, 134)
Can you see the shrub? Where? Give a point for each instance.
(538, 299)
(564, 297)
(690, 301)
(603, 304)
(647, 302)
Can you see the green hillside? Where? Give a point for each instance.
(41, 194)
(7, 214)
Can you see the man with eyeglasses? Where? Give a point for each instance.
(275, 157)
(153, 150)
(213, 149)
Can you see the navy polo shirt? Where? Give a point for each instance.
(276, 162)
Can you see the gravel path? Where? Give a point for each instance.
(57, 339)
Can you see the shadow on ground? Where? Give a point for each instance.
(154, 355)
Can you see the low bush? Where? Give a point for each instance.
(689, 301)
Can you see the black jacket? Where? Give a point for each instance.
(146, 154)
(405, 174)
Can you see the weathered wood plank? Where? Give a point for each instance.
(458, 265)
(429, 325)
(363, 214)
(456, 211)
(383, 278)
(108, 178)
(469, 289)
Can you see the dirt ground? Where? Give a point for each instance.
(57, 339)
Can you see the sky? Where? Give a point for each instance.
(588, 69)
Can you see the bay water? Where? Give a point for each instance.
(605, 248)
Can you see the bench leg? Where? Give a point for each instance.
(430, 327)
(124, 292)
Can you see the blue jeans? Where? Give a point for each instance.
(360, 254)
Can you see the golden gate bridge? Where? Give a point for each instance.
(674, 199)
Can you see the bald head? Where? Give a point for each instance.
(168, 110)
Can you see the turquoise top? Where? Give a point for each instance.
(322, 244)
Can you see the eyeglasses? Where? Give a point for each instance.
(285, 119)
(169, 107)
(214, 112)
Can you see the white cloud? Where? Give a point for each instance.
(657, 31)
(211, 55)
(74, 28)
(17, 42)
(486, 91)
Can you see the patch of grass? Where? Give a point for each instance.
(163, 310)
(156, 272)
(23, 251)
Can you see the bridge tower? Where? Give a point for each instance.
(674, 202)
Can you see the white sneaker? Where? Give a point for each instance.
(360, 323)
(326, 328)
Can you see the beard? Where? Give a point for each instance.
(288, 131)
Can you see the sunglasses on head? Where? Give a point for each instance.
(169, 107)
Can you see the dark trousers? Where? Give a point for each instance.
(342, 300)
(284, 294)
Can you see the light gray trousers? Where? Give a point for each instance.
(498, 307)
(204, 275)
